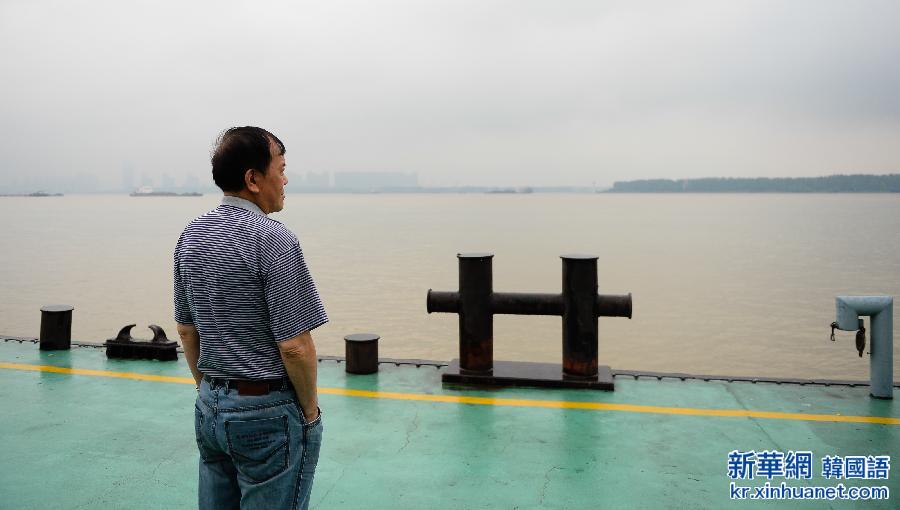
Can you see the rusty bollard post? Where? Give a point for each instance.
(476, 321)
(579, 315)
(361, 350)
(56, 327)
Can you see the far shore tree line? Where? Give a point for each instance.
(829, 184)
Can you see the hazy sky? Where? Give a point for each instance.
(462, 92)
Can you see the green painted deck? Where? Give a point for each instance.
(88, 440)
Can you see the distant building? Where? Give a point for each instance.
(191, 183)
(375, 180)
(127, 177)
(318, 180)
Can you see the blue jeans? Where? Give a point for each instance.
(256, 452)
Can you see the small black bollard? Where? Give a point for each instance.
(56, 327)
(361, 350)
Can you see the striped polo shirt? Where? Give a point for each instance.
(241, 280)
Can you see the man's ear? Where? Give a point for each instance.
(250, 181)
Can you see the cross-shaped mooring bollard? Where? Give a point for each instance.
(578, 304)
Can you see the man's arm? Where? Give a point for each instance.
(190, 341)
(300, 361)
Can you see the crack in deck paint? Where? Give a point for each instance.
(509, 402)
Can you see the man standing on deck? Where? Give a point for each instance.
(245, 304)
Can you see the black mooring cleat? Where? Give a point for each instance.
(124, 346)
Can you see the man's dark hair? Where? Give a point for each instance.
(239, 149)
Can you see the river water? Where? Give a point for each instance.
(740, 284)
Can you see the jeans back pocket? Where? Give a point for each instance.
(259, 447)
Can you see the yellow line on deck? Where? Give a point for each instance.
(555, 404)
(97, 373)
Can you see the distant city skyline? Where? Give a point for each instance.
(130, 181)
(460, 92)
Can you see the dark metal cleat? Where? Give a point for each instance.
(124, 346)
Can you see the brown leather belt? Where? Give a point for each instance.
(250, 387)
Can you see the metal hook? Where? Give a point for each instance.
(861, 340)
